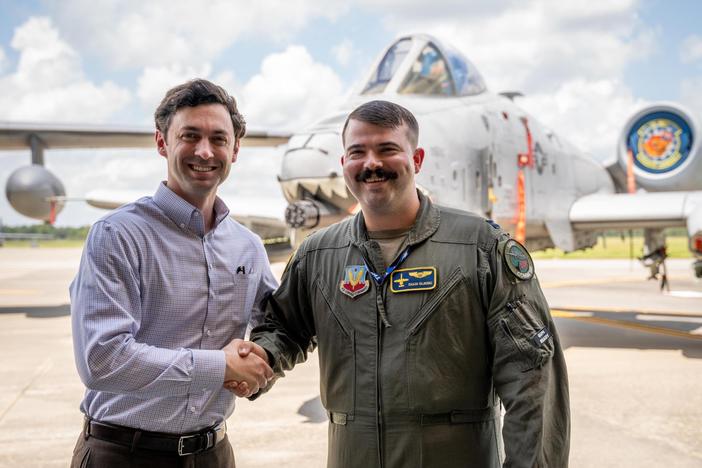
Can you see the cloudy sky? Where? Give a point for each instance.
(584, 66)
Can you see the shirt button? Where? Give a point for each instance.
(209, 332)
(192, 409)
(182, 225)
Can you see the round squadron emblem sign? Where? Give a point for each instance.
(660, 142)
(518, 260)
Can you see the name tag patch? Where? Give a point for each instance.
(541, 337)
(413, 279)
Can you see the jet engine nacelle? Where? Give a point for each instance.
(35, 192)
(665, 146)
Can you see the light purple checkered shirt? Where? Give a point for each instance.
(154, 301)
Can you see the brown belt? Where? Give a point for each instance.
(182, 445)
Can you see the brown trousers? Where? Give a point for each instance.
(97, 453)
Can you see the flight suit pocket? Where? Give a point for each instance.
(447, 362)
(337, 360)
(522, 328)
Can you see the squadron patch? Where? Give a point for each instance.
(354, 283)
(518, 260)
(413, 279)
(493, 224)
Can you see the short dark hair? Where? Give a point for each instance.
(194, 93)
(384, 114)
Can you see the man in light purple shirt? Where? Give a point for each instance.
(166, 289)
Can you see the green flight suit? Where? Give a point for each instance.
(414, 378)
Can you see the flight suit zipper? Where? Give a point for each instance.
(431, 306)
(380, 328)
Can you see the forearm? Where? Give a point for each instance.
(536, 428)
(122, 365)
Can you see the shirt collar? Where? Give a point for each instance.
(183, 213)
(424, 226)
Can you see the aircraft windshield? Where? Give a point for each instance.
(429, 75)
(465, 76)
(382, 76)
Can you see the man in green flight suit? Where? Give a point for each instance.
(426, 318)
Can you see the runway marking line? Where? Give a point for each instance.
(618, 310)
(19, 292)
(622, 324)
(595, 281)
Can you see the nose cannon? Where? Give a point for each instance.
(311, 181)
(310, 214)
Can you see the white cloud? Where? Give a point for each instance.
(691, 50)
(538, 45)
(290, 91)
(418, 10)
(135, 33)
(589, 114)
(690, 95)
(568, 58)
(343, 52)
(49, 84)
(153, 82)
(3, 59)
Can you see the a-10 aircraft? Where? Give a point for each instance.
(483, 154)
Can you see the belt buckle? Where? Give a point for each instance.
(180, 445)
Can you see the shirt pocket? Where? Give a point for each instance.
(238, 297)
(522, 329)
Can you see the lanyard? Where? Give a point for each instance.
(381, 278)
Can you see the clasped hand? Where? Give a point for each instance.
(247, 368)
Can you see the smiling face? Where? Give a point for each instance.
(379, 167)
(200, 148)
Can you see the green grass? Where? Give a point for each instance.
(48, 244)
(616, 247)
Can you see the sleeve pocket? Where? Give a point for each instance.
(522, 329)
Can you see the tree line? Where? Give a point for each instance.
(63, 232)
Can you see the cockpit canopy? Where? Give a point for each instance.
(420, 65)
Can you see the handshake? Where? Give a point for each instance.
(247, 368)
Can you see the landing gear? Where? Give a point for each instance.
(655, 255)
(697, 266)
(655, 262)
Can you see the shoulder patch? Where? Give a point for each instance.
(493, 224)
(518, 260)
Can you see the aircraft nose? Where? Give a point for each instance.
(305, 163)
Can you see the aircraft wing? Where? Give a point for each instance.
(19, 135)
(265, 219)
(639, 210)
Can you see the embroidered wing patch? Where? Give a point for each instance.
(413, 279)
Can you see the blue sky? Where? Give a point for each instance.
(584, 66)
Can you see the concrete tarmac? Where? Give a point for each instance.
(634, 358)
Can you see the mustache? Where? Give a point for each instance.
(380, 173)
